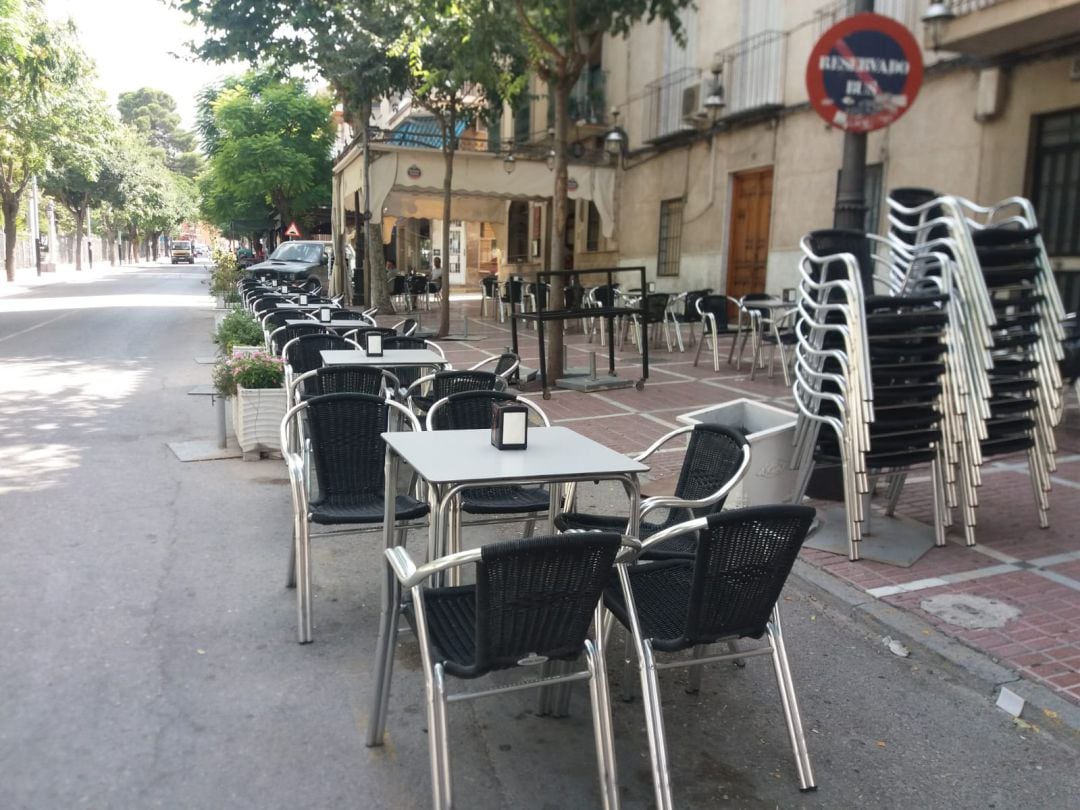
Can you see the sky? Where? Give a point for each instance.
(138, 43)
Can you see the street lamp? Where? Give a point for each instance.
(615, 140)
(935, 18)
(509, 163)
(714, 102)
(551, 160)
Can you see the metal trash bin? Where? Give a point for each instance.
(770, 432)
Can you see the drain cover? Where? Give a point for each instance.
(970, 612)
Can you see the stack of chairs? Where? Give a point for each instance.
(875, 370)
(1013, 332)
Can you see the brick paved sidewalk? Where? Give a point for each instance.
(1015, 564)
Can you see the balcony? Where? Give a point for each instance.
(994, 27)
(669, 101)
(754, 73)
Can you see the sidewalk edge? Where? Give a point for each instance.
(918, 633)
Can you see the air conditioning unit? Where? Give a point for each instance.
(694, 113)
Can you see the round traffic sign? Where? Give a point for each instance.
(864, 73)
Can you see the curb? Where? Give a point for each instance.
(989, 675)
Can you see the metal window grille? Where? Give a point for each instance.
(670, 241)
(1056, 181)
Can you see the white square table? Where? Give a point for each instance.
(453, 460)
(390, 358)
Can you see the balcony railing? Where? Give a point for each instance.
(754, 72)
(962, 7)
(664, 102)
(587, 98)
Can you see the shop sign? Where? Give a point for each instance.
(413, 171)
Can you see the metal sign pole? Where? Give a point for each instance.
(850, 209)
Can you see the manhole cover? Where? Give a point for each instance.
(970, 612)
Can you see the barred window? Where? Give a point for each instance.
(1056, 180)
(592, 227)
(670, 242)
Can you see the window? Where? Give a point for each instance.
(522, 121)
(1055, 186)
(670, 249)
(517, 232)
(592, 227)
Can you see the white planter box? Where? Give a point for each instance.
(240, 351)
(257, 415)
(770, 432)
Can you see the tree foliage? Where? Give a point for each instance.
(40, 70)
(153, 113)
(270, 147)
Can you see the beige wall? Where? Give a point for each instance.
(938, 144)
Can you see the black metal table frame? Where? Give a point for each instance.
(609, 313)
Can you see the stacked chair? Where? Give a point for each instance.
(954, 362)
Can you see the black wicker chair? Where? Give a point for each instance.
(713, 310)
(489, 292)
(471, 410)
(716, 460)
(442, 384)
(506, 365)
(304, 352)
(343, 379)
(283, 334)
(409, 375)
(728, 591)
(344, 433)
(533, 602)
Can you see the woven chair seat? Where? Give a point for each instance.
(504, 500)
(989, 237)
(1007, 254)
(1007, 444)
(1004, 276)
(363, 508)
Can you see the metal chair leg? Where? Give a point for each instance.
(441, 733)
(790, 704)
(654, 724)
(303, 585)
(602, 730)
(693, 676)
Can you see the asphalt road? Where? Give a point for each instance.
(148, 639)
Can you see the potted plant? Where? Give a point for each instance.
(238, 328)
(224, 278)
(254, 381)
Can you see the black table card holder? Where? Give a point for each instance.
(373, 344)
(324, 314)
(509, 426)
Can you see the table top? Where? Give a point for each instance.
(769, 303)
(390, 358)
(312, 307)
(467, 456)
(337, 324)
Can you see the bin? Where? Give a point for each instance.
(770, 432)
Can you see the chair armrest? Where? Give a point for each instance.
(674, 531)
(409, 575)
(669, 501)
(662, 441)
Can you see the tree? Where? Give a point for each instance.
(458, 65)
(153, 113)
(560, 38)
(345, 41)
(39, 65)
(273, 145)
(74, 170)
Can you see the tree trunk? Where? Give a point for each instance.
(449, 146)
(11, 211)
(560, 209)
(80, 226)
(110, 246)
(155, 241)
(373, 242)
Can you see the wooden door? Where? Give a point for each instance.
(748, 248)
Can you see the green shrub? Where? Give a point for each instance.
(225, 275)
(250, 370)
(238, 328)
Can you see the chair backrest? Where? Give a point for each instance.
(346, 315)
(604, 295)
(690, 312)
(344, 379)
(717, 306)
(446, 383)
(303, 353)
(743, 559)
(261, 305)
(655, 306)
(417, 285)
(490, 285)
(508, 361)
(347, 447)
(713, 455)
(282, 335)
(471, 410)
(278, 317)
(535, 598)
(399, 285)
(512, 290)
(404, 342)
(407, 327)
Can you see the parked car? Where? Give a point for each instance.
(182, 250)
(296, 262)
